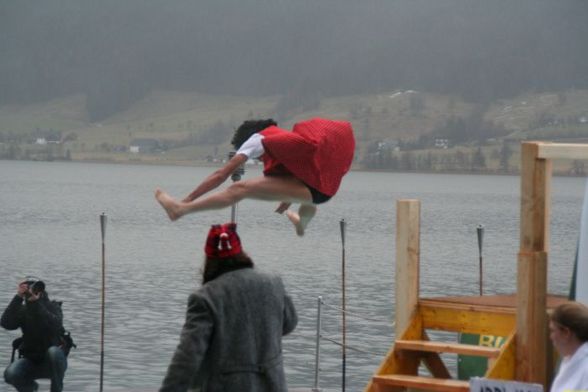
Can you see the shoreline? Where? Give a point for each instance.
(354, 168)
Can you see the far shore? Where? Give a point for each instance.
(354, 168)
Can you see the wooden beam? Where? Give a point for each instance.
(443, 347)
(407, 261)
(433, 362)
(562, 151)
(535, 199)
(503, 368)
(531, 343)
(464, 320)
(435, 365)
(425, 383)
(408, 322)
(398, 361)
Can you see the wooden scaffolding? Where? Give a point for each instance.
(522, 318)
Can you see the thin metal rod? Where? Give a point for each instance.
(234, 213)
(480, 230)
(236, 176)
(344, 359)
(103, 230)
(317, 356)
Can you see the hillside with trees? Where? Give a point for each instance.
(399, 130)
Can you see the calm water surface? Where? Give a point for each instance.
(49, 226)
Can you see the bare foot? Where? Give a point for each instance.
(170, 206)
(295, 219)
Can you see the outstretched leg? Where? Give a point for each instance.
(301, 219)
(271, 188)
(171, 206)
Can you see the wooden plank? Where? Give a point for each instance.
(434, 363)
(407, 261)
(408, 322)
(401, 362)
(562, 151)
(443, 347)
(436, 366)
(503, 368)
(464, 306)
(466, 319)
(531, 343)
(406, 362)
(427, 383)
(502, 302)
(535, 199)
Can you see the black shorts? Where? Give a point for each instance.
(317, 197)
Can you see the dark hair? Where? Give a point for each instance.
(574, 316)
(215, 266)
(249, 128)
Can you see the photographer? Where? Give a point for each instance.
(41, 352)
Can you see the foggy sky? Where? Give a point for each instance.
(116, 51)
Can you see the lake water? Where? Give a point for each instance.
(49, 227)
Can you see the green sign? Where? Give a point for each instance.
(469, 366)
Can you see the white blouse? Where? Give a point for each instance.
(253, 147)
(573, 372)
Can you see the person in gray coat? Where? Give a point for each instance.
(232, 337)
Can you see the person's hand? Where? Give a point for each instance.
(22, 289)
(283, 207)
(33, 296)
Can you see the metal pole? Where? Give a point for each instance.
(236, 176)
(317, 356)
(344, 359)
(103, 230)
(480, 230)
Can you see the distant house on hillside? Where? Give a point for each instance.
(388, 145)
(144, 146)
(442, 143)
(53, 140)
(49, 136)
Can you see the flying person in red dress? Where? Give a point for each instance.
(303, 166)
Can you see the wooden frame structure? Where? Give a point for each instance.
(532, 357)
(521, 318)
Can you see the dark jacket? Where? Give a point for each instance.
(41, 323)
(232, 337)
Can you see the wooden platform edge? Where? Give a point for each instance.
(443, 347)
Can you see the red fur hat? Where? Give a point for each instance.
(223, 241)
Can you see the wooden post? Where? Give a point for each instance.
(535, 199)
(406, 288)
(407, 261)
(531, 341)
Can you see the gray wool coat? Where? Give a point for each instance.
(232, 336)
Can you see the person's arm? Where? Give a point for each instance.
(189, 354)
(10, 318)
(217, 178)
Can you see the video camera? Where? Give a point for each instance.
(34, 284)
